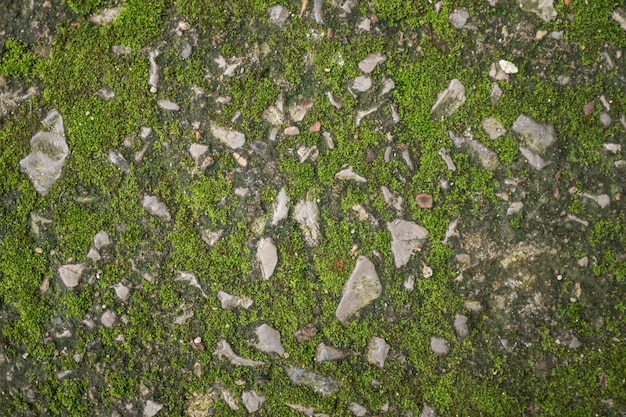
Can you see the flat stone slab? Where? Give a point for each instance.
(537, 137)
(405, 238)
(319, 384)
(49, 149)
(362, 288)
(448, 101)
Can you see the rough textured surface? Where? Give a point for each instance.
(319, 384)
(448, 101)
(269, 340)
(405, 238)
(267, 257)
(49, 149)
(362, 288)
(537, 137)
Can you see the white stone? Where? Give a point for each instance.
(448, 101)
(278, 15)
(233, 301)
(101, 239)
(229, 137)
(122, 291)
(348, 173)
(507, 66)
(168, 105)
(377, 351)
(151, 408)
(370, 62)
(105, 16)
(281, 207)
(70, 274)
(269, 340)
(108, 319)
(307, 215)
(405, 238)
(362, 83)
(439, 345)
(156, 207)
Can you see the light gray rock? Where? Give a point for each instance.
(619, 14)
(328, 353)
(405, 238)
(370, 62)
(319, 384)
(496, 93)
(348, 173)
(357, 409)
(307, 215)
(186, 51)
(533, 159)
(439, 345)
(362, 83)
(118, 160)
(514, 208)
(224, 350)
(299, 110)
(197, 150)
(458, 17)
(105, 94)
(603, 200)
(493, 127)
(44, 164)
(281, 207)
(121, 50)
(191, 279)
(429, 411)
(234, 301)
(210, 237)
(93, 254)
(108, 319)
(508, 67)
(153, 71)
(278, 15)
(229, 137)
(443, 152)
(488, 159)
(269, 340)
(318, 11)
(267, 257)
(542, 8)
(122, 291)
(448, 101)
(168, 105)
(105, 16)
(101, 239)
(605, 119)
(537, 137)
(252, 400)
(460, 326)
(70, 274)
(387, 86)
(377, 351)
(362, 288)
(392, 199)
(156, 207)
(151, 408)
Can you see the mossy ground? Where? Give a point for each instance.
(424, 53)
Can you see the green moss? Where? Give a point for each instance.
(84, 6)
(17, 61)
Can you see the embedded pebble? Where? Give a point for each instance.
(348, 173)
(252, 400)
(122, 291)
(70, 274)
(267, 257)
(229, 137)
(458, 18)
(156, 207)
(357, 409)
(377, 351)
(460, 325)
(370, 62)
(448, 101)
(362, 288)
(307, 215)
(328, 353)
(362, 83)
(514, 208)
(108, 319)
(493, 127)
(537, 137)
(405, 238)
(319, 384)
(151, 408)
(439, 345)
(233, 301)
(278, 15)
(224, 349)
(168, 105)
(269, 340)
(533, 159)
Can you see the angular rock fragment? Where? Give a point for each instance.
(108, 319)
(514, 208)
(252, 400)
(291, 131)
(93, 254)
(460, 326)
(348, 173)
(233, 301)
(448, 101)
(156, 207)
(224, 350)
(70, 274)
(267, 257)
(101, 239)
(458, 17)
(105, 94)
(406, 237)
(229, 137)
(488, 158)
(105, 16)
(362, 83)
(122, 291)
(269, 340)
(278, 15)
(319, 384)
(387, 86)
(44, 164)
(281, 207)
(429, 411)
(318, 11)
(537, 137)
(191, 279)
(370, 62)
(447, 159)
(392, 199)
(151, 408)
(328, 353)
(357, 409)
(542, 8)
(619, 14)
(168, 105)
(603, 200)
(533, 159)
(362, 288)
(307, 215)
(439, 345)
(377, 351)
(210, 237)
(197, 150)
(496, 93)
(493, 127)
(363, 113)
(117, 159)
